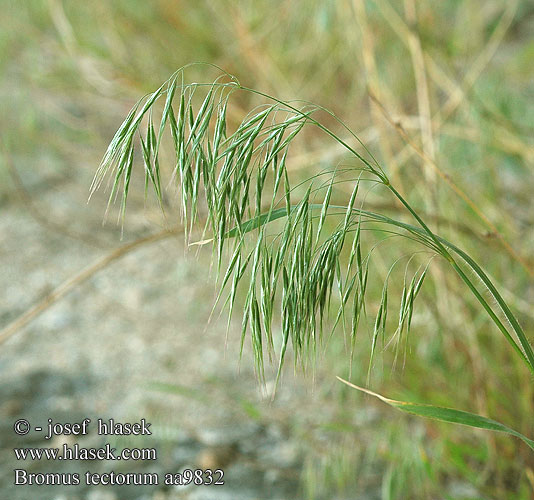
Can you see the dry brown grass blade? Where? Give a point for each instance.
(37, 215)
(374, 82)
(457, 91)
(482, 60)
(459, 191)
(88, 66)
(253, 52)
(423, 97)
(68, 285)
(427, 139)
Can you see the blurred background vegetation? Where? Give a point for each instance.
(443, 95)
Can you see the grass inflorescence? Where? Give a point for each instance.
(294, 252)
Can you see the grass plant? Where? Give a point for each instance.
(454, 83)
(296, 253)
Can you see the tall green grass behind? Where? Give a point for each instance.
(72, 70)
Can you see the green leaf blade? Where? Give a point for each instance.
(443, 414)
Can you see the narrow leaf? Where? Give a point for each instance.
(449, 415)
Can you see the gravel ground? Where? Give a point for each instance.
(132, 342)
(96, 353)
